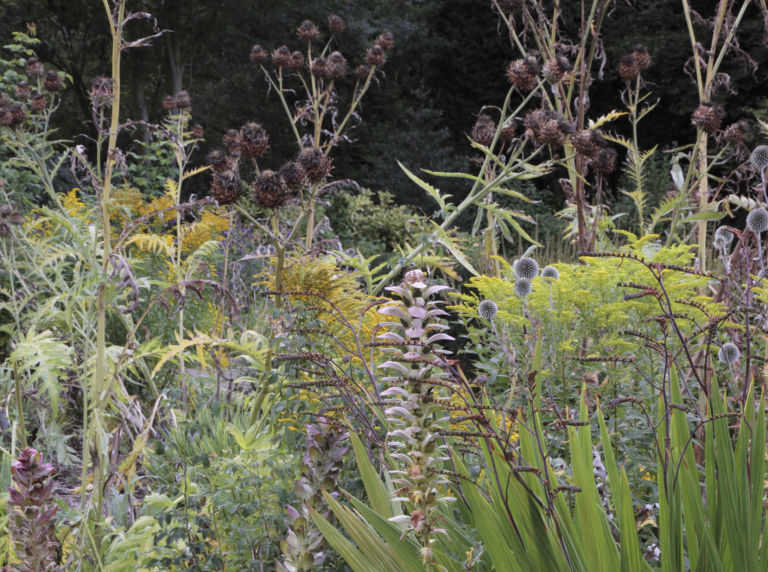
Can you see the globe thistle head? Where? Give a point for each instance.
(484, 130)
(297, 61)
(307, 31)
(336, 65)
(522, 73)
(550, 273)
(281, 56)
(226, 187)
(708, 117)
(735, 132)
(258, 55)
(628, 68)
(315, 163)
(555, 69)
(254, 140)
(606, 161)
(362, 71)
(182, 100)
(270, 190)
(526, 267)
(523, 287)
(588, 142)
(336, 24)
(386, 40)
(642, 57)
(759, 158)
(23, 90)
(757, 220)
(294, 175)
(319, 67)
(233, 141)
(729, 353)
(52, 82)
(34, 68)
(219, 161)
(723, 238)
(375, 56)
(487, 309)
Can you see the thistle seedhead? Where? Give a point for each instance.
(219, 161)
(34, 68)
(375, 56)
(233, 141)
(508, 130)
(315, 163)
(12, 115)
(550, 273)
(281, 56)
(628, 68)
(526, 267)
(102, 91)
(708, 117)
(226, 187)
(642, 57)
(522, 73)
(270, 190)
(167, 102)
(336, 65)
(555, 69)
(182, 100)
(258, 55)
(336, 24)
(297, 61)
(319, 67)
(9, 217)
(23, 90)
(386, 40)
(294, 175)
(362, 71)
(759, 158)
(757, 220)
(547, 127)
(606, 161)
(588, 142)
(307, 31)
(52, 82)
(735, 132)
(254, 140)
(484, 130)
(38, 101)
(523, 287)
(487, 309)
(729, 353)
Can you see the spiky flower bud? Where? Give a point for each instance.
(336, 65)
(628, 68)
(708, 117)
(723, 238)
(319, 67)
(12, 115)
(759, 158)
(555, 69)
(526, 267)
(182, 100)
(386, 40)
(487, 309)
(307, 31)
(362, 71)
(226, 187)
(34, 68)
(294, 175)
(297, 61)
(729, 353)
(270, 190)
(254, 140)
(336, 24)
(484, 130)
(233, 141)
(588, 142)
(757, 220)
(642, 57)
(315, 163)
(551, 273)
(606, 160)
(281, 56)
(38, 101)
(258, 55)
(508, 130)
(523, 287)
(735, 132)
(547, 127)
(52, 82)
(522, 73)
(219, 161)
(375, 56)
(23, 91)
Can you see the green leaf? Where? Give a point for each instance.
(432, 191)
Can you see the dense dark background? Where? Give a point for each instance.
(448, 62)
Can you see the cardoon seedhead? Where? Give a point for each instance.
(362, 71)
(12, 115)
(38, 101)
(226, 187)
(319, 67)
(294, 175)
(547, 127)
(254, 140)
(386, 40)
(757, 220)
(34, 68)
(258, 55)
(526, 267)
(735, 132)
(281, 57)
(708, 117)
(551, 273)
(759, 158)
(23, 91)
(315, 163)
(555, 69)
(336, 65)
(508, 130)
(487, 309)
(606, 160)
(729, 353)
(484, 130)
(523, 287)
(9, 217)
(219, 161)
(52, 82)
(642, 57)
(587, 142)
(336, 24)
(307, 31)
(102, 90)
(182, 100)
(233, 140)
(522, 73)
(197, 131)
(270, 190)
(375, 56)
(628, 68)
(168, 102)
(297, 61)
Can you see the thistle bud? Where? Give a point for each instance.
(729, 353)
(523, 287)
(254, 140)
(757, 220)
(336, 24)
(375, 56)
(307, 31)
(258, 55)
(487, 309)
(550, 273)
(226, 187)
(182, 100)
(642, 57)
(281, 57)
(628, 68)
(759, 158)
(526, 267)
(522, 73)
(336, 65)
(315, 163)
(386, 40)
(34, 68)
(708, 117)
(270, 190)
(52, 82)
(484, 130)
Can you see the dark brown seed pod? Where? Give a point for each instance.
(297, 61)
(315, 163)
(12, 115)
(628, 68)
(281, 57)
(197, 131)
(336, 65)
(362, 71)
(375, 56)
(38, 101)
(219, 161)
(606, 160)
(307, 31)
(254, 140)
(102, 91)
(34, 68)
(168, 102)
(270, 190)
(226, 187)
(52, 82)
(182, 100)
(547, 127)
(232, 140)
(587, 142)
(294, 175)
(708, 117)
(386, 40)
(735, 132)
(319, 68)
(23, 91)
(522, 73)
(555, 69)
(336, 24)
(484, 130)
(258, 55)
(642, 57)
(508, 130)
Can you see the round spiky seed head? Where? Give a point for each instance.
(551, 273)
(102, 90)
(555, 69)
(307, 31)
(386, 40)
(484, 130)
(628, 68)
(297, 61)
(362, 71)
(23, 91)
(735, 132)
(38, 101)
(508, 130)
(219, 161)
(294, 175)
(270, 190)
(375, 56)
(52, 82)
(729, 353)
(523, 287)
(336, 65)
(554, 132)
(226, 187)
(232, 140)
(759, 158)
(315, 163)
(281, 57)
(587, 142)
(258, 54)
(723, 237)
(606, 160)
(708, 117)
(526, 267)
(522, 73)
(487, 309)
(182, 100)
(168, 102)
(12, 115)
(197, 131)
(336, 24)
(757, 220)
(34, 68)
(642, 57)
(319, 67)
(254, 140)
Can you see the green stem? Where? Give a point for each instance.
(19, 406)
